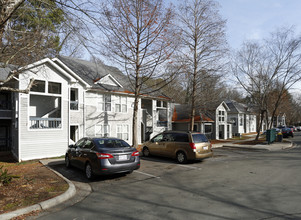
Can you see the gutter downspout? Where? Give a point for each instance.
(84, 114)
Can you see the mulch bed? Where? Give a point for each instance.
(35, 183)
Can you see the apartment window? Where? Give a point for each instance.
(102, 130)
(241, 123)
(208, 128)
(74, 99)
(38, 86)
(121, 104)
(54, 88)
(123, 132)
(104, 103)
(221, 115)
(107, 102)
(234, 121)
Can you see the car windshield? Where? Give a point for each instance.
(199, 138)
(111, 143)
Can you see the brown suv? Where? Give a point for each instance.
(180, 145)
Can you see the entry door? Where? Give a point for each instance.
(4, 137)
(222, 132)
(74, 133)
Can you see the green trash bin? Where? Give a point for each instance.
(271, 135)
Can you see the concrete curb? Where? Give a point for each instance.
(45, 204)
(250, 148)
(259, 147)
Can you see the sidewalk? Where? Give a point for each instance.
(275, 146)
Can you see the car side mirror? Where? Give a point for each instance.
(71, 146)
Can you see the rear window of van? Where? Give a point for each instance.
(199, 138)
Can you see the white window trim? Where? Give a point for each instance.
(102, 101)
(124, 132)
(102, 130)
(119, 102)
(78, 103)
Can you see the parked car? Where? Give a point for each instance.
(101, 156)
(299, 128)
(292, 127)
(277, 130)
(286, 132)
(182, 146)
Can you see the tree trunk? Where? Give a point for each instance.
(260, 124)
(195, 69)
(135, 122)
(276, 107)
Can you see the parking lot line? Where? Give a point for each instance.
(187, 166)
(146, 174)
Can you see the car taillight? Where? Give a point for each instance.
(135, 153)
(192, 145)
(104, 156)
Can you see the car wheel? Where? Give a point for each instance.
(181, 157)
(145, 152)
(67, 161)
(88, 171)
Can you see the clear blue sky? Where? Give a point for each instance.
(255, 19)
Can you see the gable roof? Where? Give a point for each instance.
(92, 72)
(181, 113)
(109, 80)
(5, 71)
(103, 77)
(236, 107)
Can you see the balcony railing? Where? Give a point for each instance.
(73, 105)
(161, 123)
(45, 123)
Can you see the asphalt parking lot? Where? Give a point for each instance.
(234, 184)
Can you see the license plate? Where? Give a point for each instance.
(123, 157)
(205, 148)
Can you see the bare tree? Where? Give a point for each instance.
(139, 35)
(267, 70)
(285, 52)
(248, 67)
(204, 45)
